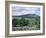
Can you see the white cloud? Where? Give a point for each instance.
(25, 10)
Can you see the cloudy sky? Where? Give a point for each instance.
(16, 10)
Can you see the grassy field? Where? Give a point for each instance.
(24, 28)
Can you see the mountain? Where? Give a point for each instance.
(27, 15)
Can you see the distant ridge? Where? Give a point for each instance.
(27, 15)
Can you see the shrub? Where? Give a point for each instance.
(21, 22)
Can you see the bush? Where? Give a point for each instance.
(21, 22)
(14, 22)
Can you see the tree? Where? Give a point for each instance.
(21, 22)
(24, 22)
(14, 22)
